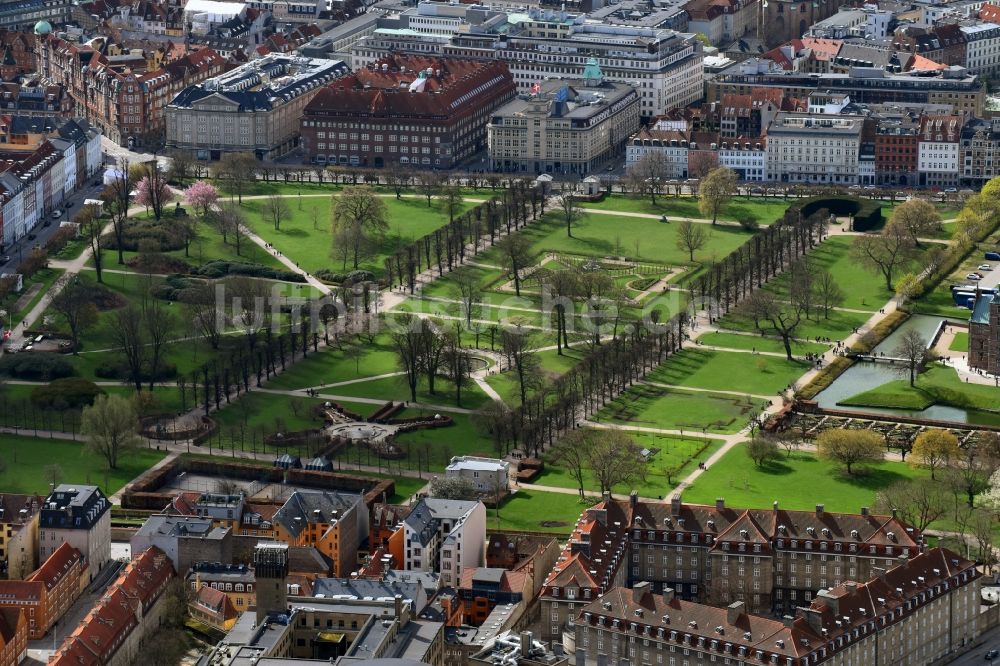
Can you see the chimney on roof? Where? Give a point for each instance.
(720, 503)
(633, 498)
(675, 504)
(788, 620)
(734, 611)
(639, 590)
(668, 593)
(812, 616)
(819, 510)
(864, 511)
(606, 495)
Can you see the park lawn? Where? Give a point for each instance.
(486, 275)
(837, 326)
(798, 482)
(764, 211)
(394, 388)
(671, 409)
(26, 458)
(613, 235)
(311, 247)
(433, 448)
(269, 413)
(551, 366)
(960, 343)
(335, 364)
(760, 343)
(897, 394)
(45, 277)
(729, 371)
(863, 290)
(675, 454)
(538, 511)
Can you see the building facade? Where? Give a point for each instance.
(984, 334)
(568, 126)
(405, 109)
(335, 523)
(81, 517)
(254, 108)
(813, 148)
(19, 535)
(486, 475)
(938, 162)
(919, 611)
(445, 536)
(48, 592)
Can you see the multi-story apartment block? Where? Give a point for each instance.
(943, 43)
(982, 48)
(568, 126)
(48, 592)
(672, 145)
(897, 149)
(814, 148)
(979, 152)
(335, 523)
(185, 540)
(665, 66)
(746, 157)
(427, 112)
(955, 87)
(236, 581)
(938, 162)
(19, 535)
(722, 21)
(81, 517)
(111, 633)
(255, 108)
(769, 559)
(445, 536)
(917, 612)
(126, 102)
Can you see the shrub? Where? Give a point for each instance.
(867, 212)
(350, 278)
(66, 393)
(36, 366)
(59, 239)
(219, 268)
(749, 223)
(165, 232)
(119, 370)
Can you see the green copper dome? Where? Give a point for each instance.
(43, 28)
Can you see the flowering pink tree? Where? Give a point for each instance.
(202, 196)
(153, 193)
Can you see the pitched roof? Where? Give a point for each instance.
(56, 566)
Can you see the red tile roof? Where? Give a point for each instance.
(113, 617)
(56, 566)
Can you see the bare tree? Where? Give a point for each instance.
(110, 426)
(159, 324)
(517, 346)
(884, 253)
(572, 452)
(517, 255)
(76, 307)
(771, 312)
(429, 184)
(614, 459)
(451, 197)
(828, 293)
(571, 213)
(360, 217)
(408, 345)
(92, 229)
(116, 201)
(691, 237)
(919, 502)
(913, 350)
(470, 292)
(128, 334)
(917, 217)
(276, 210)
(237, 171)
(648, 175)
(182, 165)
(715, 192)
(761, 450)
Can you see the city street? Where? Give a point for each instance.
(988, 641)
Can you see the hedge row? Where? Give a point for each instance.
(867, 212)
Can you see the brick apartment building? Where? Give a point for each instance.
(919, 611)
(112, 631)
(126, 100)
(13, 636)
(19, 534)
(896, 150)
(772, 560)
(46, 594)
(406, 109)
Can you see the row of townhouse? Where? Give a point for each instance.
(35, 183)
(126, 102)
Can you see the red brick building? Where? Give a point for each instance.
(13, 636)
(415, 110)
(111, 632)
(896, 150)
(46, 594)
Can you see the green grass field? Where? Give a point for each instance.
(960, 343)
(678, 455)
(671, 409)
(759, 343)
(25, 459)
(394, 388)
(938, 385)
(798, 482)
(728, 371)
(837, 326)
(311, 245)
(537, 511)
(764, 211)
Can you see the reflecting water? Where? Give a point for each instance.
(865, 376)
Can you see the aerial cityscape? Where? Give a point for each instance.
(535, 333)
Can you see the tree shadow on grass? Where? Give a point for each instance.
(871, 478)
(294, 232)
(776, 468)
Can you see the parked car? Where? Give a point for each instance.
(951, 189)
(973, 276)
(992, 654)
(995, 256)
(984, 267)
(56, 214)
(69, 204)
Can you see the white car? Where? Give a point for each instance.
(984, 267)
(973, 276)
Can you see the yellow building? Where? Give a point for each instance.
(19, 535)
